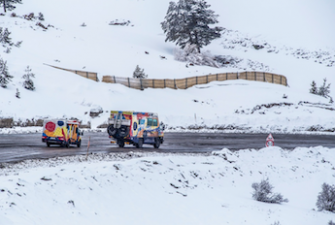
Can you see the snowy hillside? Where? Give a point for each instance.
(297, 44)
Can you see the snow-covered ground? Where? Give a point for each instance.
(153, 188)
(157, 188)
(296, 35)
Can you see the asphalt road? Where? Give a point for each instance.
(17, 147)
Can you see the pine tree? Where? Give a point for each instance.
(28, 83)
(187, 22)
(314, 89)
(5, 37)
(139, 73)
(8, 4)
(324, 89)
(5, 77)
(1, 35)
(17, 93)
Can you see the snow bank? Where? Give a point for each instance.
(153, 188)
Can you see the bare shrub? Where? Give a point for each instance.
(18, 44)
(263, 193)
(323, 90)
(40, 16)
(190, 54)
(30, 16)
(326, 198)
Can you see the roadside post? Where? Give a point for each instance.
(269, 141)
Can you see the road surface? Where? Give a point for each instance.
(17, 147)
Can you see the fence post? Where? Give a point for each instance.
(263, 76)
(281, 79)
(196, 80)
(114, 80)
(164, 84)
(237, 76)
(128, 82)
(226, 76)
(141, 84)
(207, 79)
(272, 78)
(186, 83)
(153, 83)
(217, 77)
(175, 87)
(86, 74)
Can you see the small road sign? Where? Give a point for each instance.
(270, 141)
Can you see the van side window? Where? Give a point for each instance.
(142, 121)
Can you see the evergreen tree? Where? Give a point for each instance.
(139, 73)
(187, 22)
(314, 89)
(17, 93)
(324, 89)
(28, 83)
(5, 77)
(8, 4)
(5, 37)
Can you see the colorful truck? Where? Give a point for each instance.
(61, 132)
(135, 128)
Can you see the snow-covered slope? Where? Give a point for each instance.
(288, 29)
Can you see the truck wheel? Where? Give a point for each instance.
(121, 144)
(111, 130)
(79, 144)
(140, 143)
(157, 143)
(123, 131)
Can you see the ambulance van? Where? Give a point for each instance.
(61, 132)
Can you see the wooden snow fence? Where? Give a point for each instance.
(188, 82)
(86, 74)
(264, 77)
(183, 83)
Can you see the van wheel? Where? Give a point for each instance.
(140, 143)
(157, 143)
(67, 144)
(48, 144)
(79, 144)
